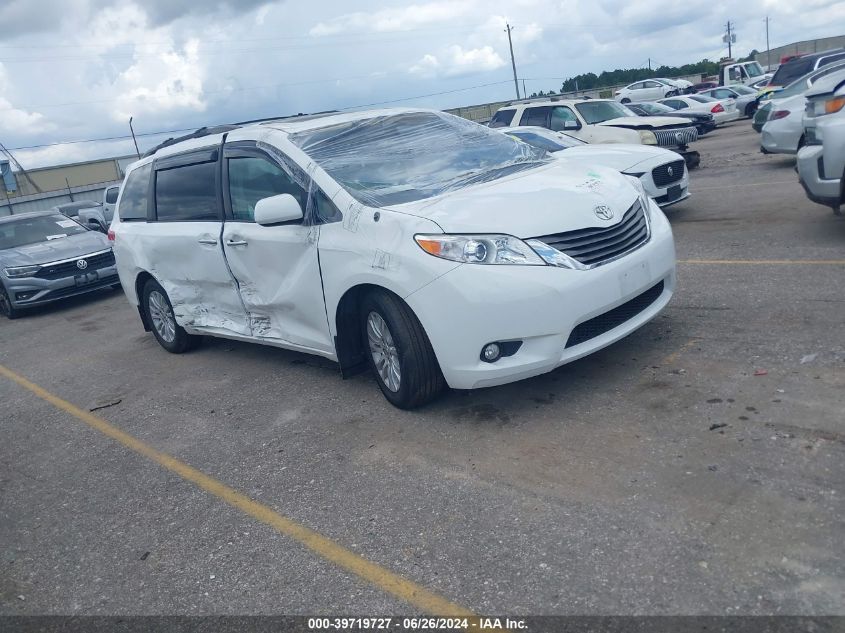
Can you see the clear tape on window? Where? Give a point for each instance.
(404, 157)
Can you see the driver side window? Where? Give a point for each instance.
(252, 178)
(561, 115)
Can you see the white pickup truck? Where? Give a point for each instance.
(99, 217)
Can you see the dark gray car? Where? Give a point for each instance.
(45, 256)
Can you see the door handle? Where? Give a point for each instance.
(207, 240)
(236, 243)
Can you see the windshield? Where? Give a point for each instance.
(754, 69)
(413, 156)
(598, 111)
(40, 228)
(791, 71)
(655, 108)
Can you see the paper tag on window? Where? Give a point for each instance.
(56, 237)
(66, 224)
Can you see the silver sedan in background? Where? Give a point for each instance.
(45, 256)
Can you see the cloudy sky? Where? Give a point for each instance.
(78, 69)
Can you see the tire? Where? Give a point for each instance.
(626, 100)
(393, 338)
(168, 333)
(751, 110)
(6, 308)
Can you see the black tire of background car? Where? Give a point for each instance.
(421, 378)
(183, 341)
(6, 307)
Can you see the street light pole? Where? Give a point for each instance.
(134, 140)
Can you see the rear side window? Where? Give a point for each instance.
(535, 116)
(187, 193)
(502, 118)
(133, 204)
(829, 60)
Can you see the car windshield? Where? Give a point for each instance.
(754, 69)
(598, 111)
(549, 141)
(35, 229)
(743, 90)
(412, 156)
(655, 108)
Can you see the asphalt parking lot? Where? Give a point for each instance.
(695, 467)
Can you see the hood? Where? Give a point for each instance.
(618, 156)
(55, 250)
(641, 122)
(558, 197)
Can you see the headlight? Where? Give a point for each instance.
(647, 137)
(479, 249)
(21, 271)
(829, 106)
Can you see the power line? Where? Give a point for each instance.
(190, 129)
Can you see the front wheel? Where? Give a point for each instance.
(159, 311)
(626, 100)
(399, 352)
(6, 308)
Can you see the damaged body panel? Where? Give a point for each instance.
(407, 240)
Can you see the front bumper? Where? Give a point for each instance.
(819, 189)
(26, 292)
(473, 305)
(668, 195)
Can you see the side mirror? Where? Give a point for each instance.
(277, 209)
(571, 125)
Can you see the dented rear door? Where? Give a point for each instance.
(277, 268)
(182, 243)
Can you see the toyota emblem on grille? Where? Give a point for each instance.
(679, 136)
(81, 264)
(603, 212)
(670, 171)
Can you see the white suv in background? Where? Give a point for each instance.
(432, 249)
(602, 121)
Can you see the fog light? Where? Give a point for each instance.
(23, 296)
(491, 353)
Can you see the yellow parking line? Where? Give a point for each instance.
(767, 262)
(671, 358)
(373, 573)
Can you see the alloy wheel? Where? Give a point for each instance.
(384, 352)
(162, 316)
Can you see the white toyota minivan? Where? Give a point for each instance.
(435, 250)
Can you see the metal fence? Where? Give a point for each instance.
(46, 200)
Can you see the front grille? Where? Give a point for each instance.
(69, 268)
(75, 290)
(595, 246)
(614, 318)
(676, 136)
(662, 177)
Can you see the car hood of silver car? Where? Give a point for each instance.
(54, 250)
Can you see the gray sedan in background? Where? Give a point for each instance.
(45, 256)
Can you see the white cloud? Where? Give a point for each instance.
(18, 120)
(458, 61)
(396, 19)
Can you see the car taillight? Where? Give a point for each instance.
(780, 114)
(111, 235)
(717, 108)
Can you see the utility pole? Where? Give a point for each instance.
(768, 60)
(730, 52)
(513, 63)
(649, 64)
(133, 138)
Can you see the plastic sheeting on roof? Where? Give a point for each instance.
(412, 156)
(7, 176)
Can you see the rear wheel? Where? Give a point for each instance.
(159, 310)
(6, 308)
(399, 352)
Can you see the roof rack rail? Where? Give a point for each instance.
(228, 127)
(203, 131)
